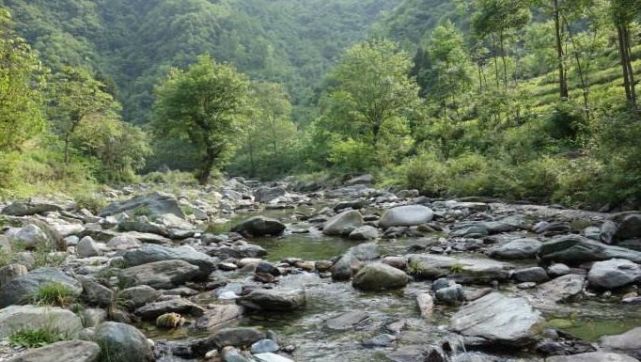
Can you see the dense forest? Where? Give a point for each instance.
(519, 100)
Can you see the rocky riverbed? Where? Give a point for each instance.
(295, 271)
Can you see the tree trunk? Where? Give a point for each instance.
(624, 63)
(563, 82)
(503, 55)
(628, 51)
(207, 165)
(585, 86)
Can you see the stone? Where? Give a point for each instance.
(366, 179)
(381, 340)
(123, 343)
(559, 289)
(534, 274)
(87, 248)
(352, 259)
(218, 316)
(161, 274)
(347, 321)
(67, 351)
(10, 272)
(92, 317)
(628, 342)
(499, 319)
(154, 204)
(231, 354)
(32, 207)
(379, 276)
(143, 225)
(96, 293)
(462, 270)
(268, 194)
(524, 248)
(264, 346)
(576, 249)
(614, 273)
(607, 231)
(365, 232)
(237, 337)
(274, 300)
(425, 304)
(558, 269)
(271, 357)
(134, 297)
(16, 318)
(409, 215)
(30, 236)
(259, 226)
(629, 227)
(123, 242)
(469, 230)
(152, 253)
(19, 290)
(593, 357)
(153, 310)
(343, 224)
(451, 295)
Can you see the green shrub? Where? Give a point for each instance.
(34, 338)
(53, 294)
(90, 201)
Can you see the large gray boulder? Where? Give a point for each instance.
(152, 253)
(593, 357)
(30, 236)
(628, 342)
(576, 249)
(499, 320)
(218, 316)
(614, 273)
(379, 276)
(161, 274)
(259, 226)
(21, 289)
(134, 297)
(67, 351)
(629, 227)
(16, 318)
(409, 215)
(274, 300)
(352, 259)
(123, 343)
(558, 290)
(344, 223)
(20, 208)
(463, 270)
(237, 337)
(524, 248)
(154, 204)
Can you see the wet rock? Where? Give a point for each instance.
(382, 340)
(231, 354)
(271, 357)
(87, 248)
(153, 253)
(469, 230)
(592, 357)
(264, 346)
(379, 276)
(178, 305)
(237, 337)
(409, 215)
(629, 227)
(498, 319)
(123, 343)
(67, 351)
(558, 269)
(16, 318)
(343, 224)
(525, 248)
(575, 249)
(397, 262)
(560, 289)
(364, 232)
(425, 304)
(463, 270)
(21, 289)
(614, 273)
(10, 272)
(259, 226)
(267, 268)
(353, 204)
(135, 297)
(161, 274)
(276, 300)
(534, 274)
(352, 260)
(154, 204)
(628, 342)
(347, 321)
(219, 316)
(452, 294)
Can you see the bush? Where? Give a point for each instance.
(34, 338)
(90, 201)
(352, 155)
(53, 294)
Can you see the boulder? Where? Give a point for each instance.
(31, 207)
(123, 343)
(135, 297)
(182, 306)
(409, 215)
(534, 274)
(628, 342)
(268, 194)
(123, 242)
(16, 318)
(559, 289)
(87, 248)
(264, 346)
(10, 272)
(452, 294)
(614, 273)
(30, 236)
(259, 226)
(237, 337)
(154, 204)
(344, 223)
(462, 270)
(592, 357)
(67, 351)
(152, 253)
(379, 276)
(21, 289)
(525, 248)
(576, 249)
(425, 304)
(346, 264)
(365, 232)
(499, 319)
(161, 274)
(218, 316)
(275, 300)
(629, 227)
(96, 293)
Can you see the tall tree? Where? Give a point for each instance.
(205, 105)
(623, 14)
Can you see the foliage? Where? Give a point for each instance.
(53, 294)
(34, 338)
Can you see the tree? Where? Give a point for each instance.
(75, 96)
(623, 14)
(204, 104)
(21, 82)
(371, 96)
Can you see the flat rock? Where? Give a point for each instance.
(154, 204)
(525, 248)
(16, 318)
(576, 249)
(275, 300)
(218, 316)
(463, 270)
(32, 207)
(19, 290)
(559, 289)
(379, 276)
(347, 320)
(67, 351)
(628, 342)
(593, 357)
(237, 337)
(161, 274)
(152, 253)
(344, 223)
(181, 306)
